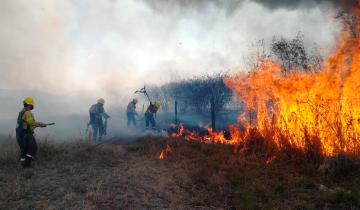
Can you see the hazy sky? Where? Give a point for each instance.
(68, 53)
(62, 46)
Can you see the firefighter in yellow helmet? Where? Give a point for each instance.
(97, 113)
(26, 125)
(131, 112)
(150, 114)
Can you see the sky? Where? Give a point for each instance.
(113, 45)
(68, 53)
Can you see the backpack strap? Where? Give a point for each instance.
(20, 122)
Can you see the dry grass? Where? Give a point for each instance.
(79, 175)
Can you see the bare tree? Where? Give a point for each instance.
(292, 55)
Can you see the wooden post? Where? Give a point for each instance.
(213, 126)
(176, 112)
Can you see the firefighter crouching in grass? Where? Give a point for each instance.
(97, 113)
(150, 114)
(26, 125)
(131, 112)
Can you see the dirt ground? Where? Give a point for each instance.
(118, 175)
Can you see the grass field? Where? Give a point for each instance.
(79, 175)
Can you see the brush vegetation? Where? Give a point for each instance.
(79, 175)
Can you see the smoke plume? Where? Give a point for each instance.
(69, 53)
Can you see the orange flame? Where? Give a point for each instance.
(164, 153)
(298, 107)
(211, 136)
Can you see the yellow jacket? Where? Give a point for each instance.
(29, 122)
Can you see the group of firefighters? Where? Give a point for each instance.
(26, 124)
(98, 117)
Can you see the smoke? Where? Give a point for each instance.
(231, 6)
(66, 46)
(69, 53)
(276, 4)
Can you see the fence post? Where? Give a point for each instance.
(176, 112)
(213, 113)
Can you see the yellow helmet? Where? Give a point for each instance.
(29, 101)
(135, 100)
(157, 104)
(101, 101)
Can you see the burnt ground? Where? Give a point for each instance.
(79, 175)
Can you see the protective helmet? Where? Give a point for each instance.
(135, 100)
(29, 101)
(101, 101)
(157, 104)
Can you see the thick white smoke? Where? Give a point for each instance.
(68, 53)
(65, 46)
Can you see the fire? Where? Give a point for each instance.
(298, 109)
(164, 153)
(187, 134)
(211, 136)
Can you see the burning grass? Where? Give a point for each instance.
(314, 108)
(315, 112)
(79, 175)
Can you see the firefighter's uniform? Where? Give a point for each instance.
(131, 112)
(150, 113)
(97, 113)
(26, 125)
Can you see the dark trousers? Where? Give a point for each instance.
(28, 146)
(98, 129)
(131, 119)
(149, 119)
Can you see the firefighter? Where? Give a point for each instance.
(131, 112)
(26, 125)
(97, 114)
(150, 113)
